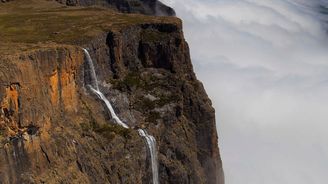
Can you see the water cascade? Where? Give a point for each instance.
(151, 143)
(150, 140)
(94, 81)
(95, 89)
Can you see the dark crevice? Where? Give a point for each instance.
(32, 129)
(110, 41)
(45, 154)
(79, 165)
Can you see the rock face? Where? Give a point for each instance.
(148, 7)
(54, 130)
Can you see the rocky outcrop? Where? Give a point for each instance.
(148, 7)
(54, 130)
(150, 65)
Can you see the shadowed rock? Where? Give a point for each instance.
(148, 7)
(59, 129)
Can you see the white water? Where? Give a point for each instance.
(151, 143)
(95, 89)
(109, 107)
(94, 81)
(150, 140)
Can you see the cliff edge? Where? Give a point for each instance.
(147, 7)
(53, 129)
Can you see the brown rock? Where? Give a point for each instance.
(59, 132)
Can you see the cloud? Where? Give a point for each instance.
(264, 64)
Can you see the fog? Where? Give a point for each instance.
(264, 64)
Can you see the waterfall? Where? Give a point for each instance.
(109, 107)
(151, 144)
(95, 89)
(150, 140)
(94, 81)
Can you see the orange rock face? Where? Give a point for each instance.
(53, 129)
(54, 89)
(41, 87)
(63, 88)
(11, 98)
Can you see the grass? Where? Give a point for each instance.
(130, 82)
(153, 116)
(154, 36)
(145, 104)
(166, 99)
(25, 22)
(109, 131)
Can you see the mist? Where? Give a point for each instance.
(264, 64)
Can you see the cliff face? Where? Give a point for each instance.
(54, 130)
(148, 7)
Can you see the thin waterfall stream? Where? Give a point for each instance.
(149, 139)
(151, 143)
(95, 89)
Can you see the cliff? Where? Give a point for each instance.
(148, 7)
(53, 129)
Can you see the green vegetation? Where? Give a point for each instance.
(145, 104)
(38, 22)
(106, 130)
(33, 28)
(132, 80)
(154, 36)
(2, 134)
(135, 3)
(166, 99)
(109, 131)
(153, 116)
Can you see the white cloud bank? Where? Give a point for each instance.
(264, 64)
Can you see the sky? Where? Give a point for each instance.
(264, 64)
